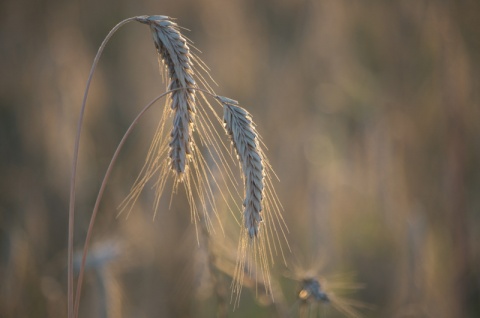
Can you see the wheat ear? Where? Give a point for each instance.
(261, 205)
(240, 128)
(175, 54)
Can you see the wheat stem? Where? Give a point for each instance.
(100, 194)
(102, 189)
(71, 212)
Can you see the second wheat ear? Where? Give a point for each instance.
(241, 130)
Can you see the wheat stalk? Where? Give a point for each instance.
(198, 172)
(190, 167)
(73, 305)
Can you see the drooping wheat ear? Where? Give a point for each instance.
(178, 151)
(175, 54)
(256, 248)
(241, 130)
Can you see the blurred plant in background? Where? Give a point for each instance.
(369, 111)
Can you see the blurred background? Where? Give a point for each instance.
(370, 111)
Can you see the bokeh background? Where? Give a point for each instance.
(370, 111)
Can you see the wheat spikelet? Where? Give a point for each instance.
(261, 204)
(179, 152)
(242, 133)
(175, 54)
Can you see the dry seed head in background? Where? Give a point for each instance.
(196, 169)
(311, 290)
(316, 291)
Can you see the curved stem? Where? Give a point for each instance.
(71, 211)
(99, 198)
(102, 189)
